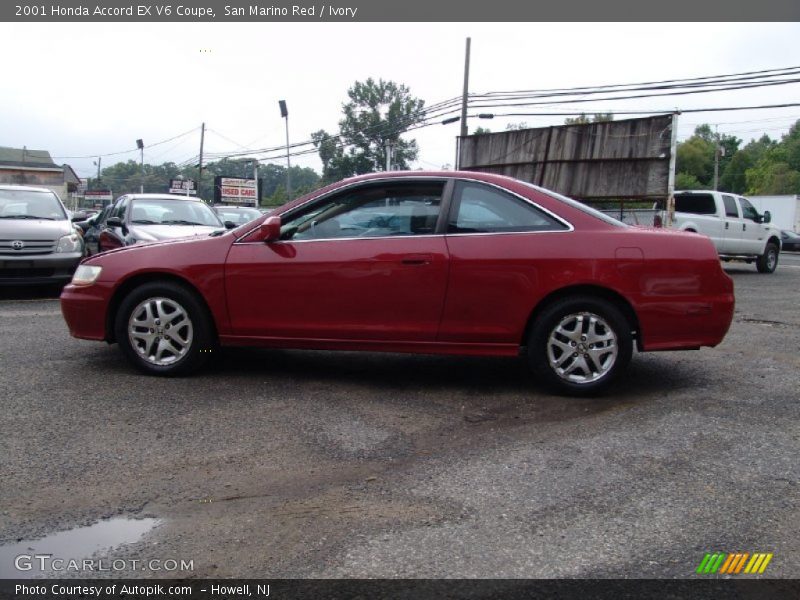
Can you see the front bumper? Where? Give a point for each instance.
(85, 309)
(40, 269)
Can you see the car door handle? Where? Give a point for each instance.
(417, 259)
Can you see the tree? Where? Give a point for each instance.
(685, 181)
(377, 113)
(733, 178)
(773, 173)
(516, 126)
(695, 158)
(772, 178)
(582, 119)
(481, 131)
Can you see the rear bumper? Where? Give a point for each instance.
(85, 309)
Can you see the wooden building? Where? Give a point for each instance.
(22, 166)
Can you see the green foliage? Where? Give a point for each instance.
(777, 169)
(695, 157)
(481, 131)
(582, 119)
(124, 178)
(733, 177)
(377, 113)
(686, 181)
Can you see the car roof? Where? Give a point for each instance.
(164, 197)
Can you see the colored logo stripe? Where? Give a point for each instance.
(733, 563)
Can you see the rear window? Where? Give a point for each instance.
(696, 204)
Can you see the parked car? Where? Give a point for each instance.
(790, 240)
(92, 228)
(233, 216)
(737, 229)
(38, 243)
(139, 218)
(476, 264)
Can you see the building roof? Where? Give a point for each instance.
(22, 157)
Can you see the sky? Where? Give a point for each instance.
(85, 90)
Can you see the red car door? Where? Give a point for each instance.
(366, 264)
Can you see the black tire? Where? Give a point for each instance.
(588, 364)
(164, 329)
(768, 262)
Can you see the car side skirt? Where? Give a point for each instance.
(373, 345)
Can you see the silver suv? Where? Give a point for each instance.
(38, 243)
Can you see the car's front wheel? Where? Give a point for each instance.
(579, 345)
(163, 329)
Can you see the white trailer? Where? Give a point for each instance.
(785, 210)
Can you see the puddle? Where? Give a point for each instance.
(75, 544)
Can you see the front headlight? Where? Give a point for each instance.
(70, 243)
(86, 275)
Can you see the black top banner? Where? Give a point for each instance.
(399, 11)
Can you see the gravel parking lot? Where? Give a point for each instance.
(314, 464)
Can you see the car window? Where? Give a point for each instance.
(369, 211)
(696, 204)
(119, 208)
(748, 210)
(483, 209)
(29, 204)
(730, 206)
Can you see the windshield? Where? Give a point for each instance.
(29, 204)
(155, 211)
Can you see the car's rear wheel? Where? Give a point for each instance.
(579, 345)
(163, 329)
(768, 262)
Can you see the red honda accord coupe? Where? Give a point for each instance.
(436, 262)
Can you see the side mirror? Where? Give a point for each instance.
(230, 225)
(271, 229)
(767, 216)
(114, 222)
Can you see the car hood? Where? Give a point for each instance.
(41, 229)
(153, 233)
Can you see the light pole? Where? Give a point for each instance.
(140, 146)
(285, 115)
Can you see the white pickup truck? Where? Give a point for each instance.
(737, 229)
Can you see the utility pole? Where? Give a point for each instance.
(200, 164)
(140, 145)
(716, 157)
(285, 115)
(464, 128)
(389, 146)
(673, 150)
(255, 176)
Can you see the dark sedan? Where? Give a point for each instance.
(790, 241)
(139, 218)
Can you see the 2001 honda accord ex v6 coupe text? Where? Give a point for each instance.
(438, 262)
